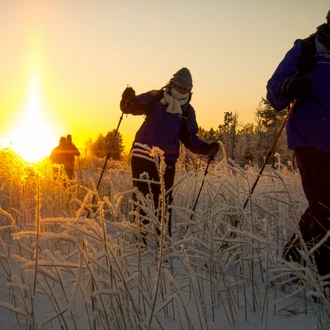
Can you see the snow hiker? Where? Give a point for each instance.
(58, 155)
(307, 79)
(170, 118)
(70, 152)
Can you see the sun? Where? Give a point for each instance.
(33, 137)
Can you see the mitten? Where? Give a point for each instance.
(128, 94)
(127, 99)
(213, 149)
(299, 88)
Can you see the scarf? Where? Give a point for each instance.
(174, 100)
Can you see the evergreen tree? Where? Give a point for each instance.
(228, 133)
(246, 148)
(268, 123)
(101, 147)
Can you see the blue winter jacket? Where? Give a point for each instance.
(165, 130)
(309, 124)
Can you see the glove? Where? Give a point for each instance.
(127, 99)
(128, 94)
(299, 88)
(213, 149)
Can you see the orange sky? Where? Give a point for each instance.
(83, 53)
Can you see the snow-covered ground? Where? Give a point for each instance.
(69, 260)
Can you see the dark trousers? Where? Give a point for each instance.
(141, 165)
(314, 167)
(69, 172)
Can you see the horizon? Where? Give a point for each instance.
(83, 55)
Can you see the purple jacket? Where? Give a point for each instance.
(309, 124)
(166, 130)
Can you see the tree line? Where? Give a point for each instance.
(245, 144)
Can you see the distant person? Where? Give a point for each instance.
(170, 119)
(70, 152)
(304, 75)
(58, 155)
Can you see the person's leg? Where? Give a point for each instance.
(314, 167)
(69, 173)
(139, 166)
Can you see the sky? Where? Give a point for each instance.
(65, 63)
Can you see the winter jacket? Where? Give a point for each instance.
(57, 155)
(70, 151)
(309, 124)
(165, 130)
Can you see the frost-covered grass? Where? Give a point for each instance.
(71, 257)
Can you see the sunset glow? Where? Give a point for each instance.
(33, 137)
(85, 53)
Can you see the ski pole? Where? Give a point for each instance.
(211, 157)
(107, 158)
(271, 151)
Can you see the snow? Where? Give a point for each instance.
(87, 268)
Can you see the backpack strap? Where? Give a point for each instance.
(185, 133)
(306, 62)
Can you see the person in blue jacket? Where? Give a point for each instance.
(170, 119)
(304, 75)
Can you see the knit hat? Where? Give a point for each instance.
(182, 79)
(328, 17)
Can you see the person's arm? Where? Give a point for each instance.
(53, 156)
(285, 70)
(76, 150)
(141, 104)
(188, 136)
